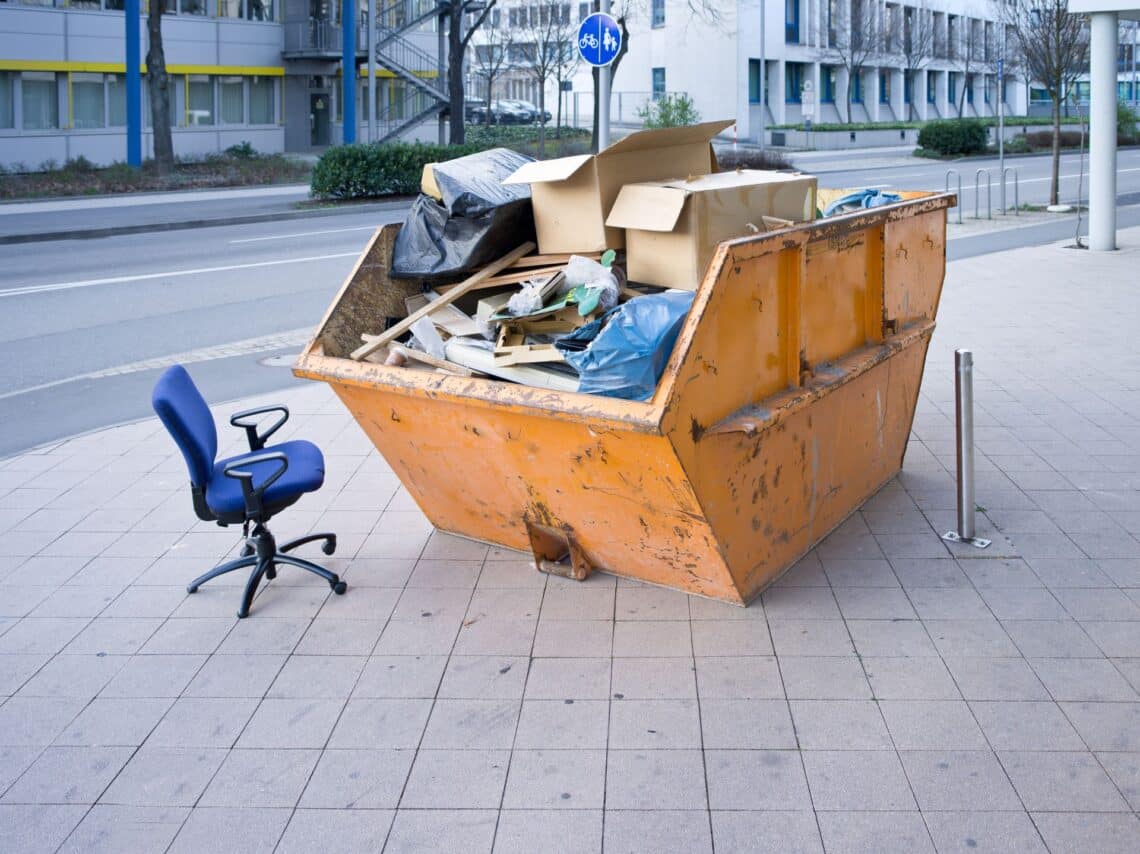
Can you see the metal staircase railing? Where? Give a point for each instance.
(402, 113)
(426, 93)
(400, 16)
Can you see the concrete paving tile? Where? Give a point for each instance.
(740, 677)
(19, 601)
(923, 572)
(379, 723)
(81, 676)
(556, 780)
(417, 604)
(1008, 603)
(1125, 573)
(563, 724)
(318, 676)
(910, 679)
(860, 573)
(1124, 769)
(1051, 639)
(14, 761)
(932, 725)
(380, 572)
(470, 724)
(109, 636)
(1098, 604)
(203, 722)
(47, 636)
(260, 778)
(971, 639)
(427, 831)
(713, 609)
(948, 603)
(857, 780)
(653, 639)
(573, 678)
(1059, 782)
(1026, 726)
(883, 832)
(1106, 726)
(811, 637)
(146, 602)
(586, 603)
(75, 601)
(264, 636)
(561, 832)
(154, 676)
(188, 636)
(68, 775)
(496, 637)
(995, 678)
(643, 602)
(484, 677)
(654, 724)
(654, 679)
(574, 639)
(164, 776)
(1115, 639)
(422, 637)
(234, 830)
(439, 573)
(886, 638)
(730, 638)
(958, 780)
(655, 780)
(36, 721)
(824, 678)
(839, 725)
(31, 829)
(456, 779)
(1078, 832)
(334, 637)
(108, 829)
(800, 603)
(874, 603)
(1061, 572)
(521, 603)
(394, 676)
(514, 572)
(999, 573)
(235, 676)
(756, 832)
(309, 831)
(993, 832)
(639, 832)
(1083, 679)
(285, 723)
(358, 779)
(115, 721)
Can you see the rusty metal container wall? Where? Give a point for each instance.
(786, 403)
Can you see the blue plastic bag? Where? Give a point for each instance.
(869, 198)
(623, 353)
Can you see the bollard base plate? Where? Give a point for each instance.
(976, 542)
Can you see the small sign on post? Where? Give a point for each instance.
(807, 103)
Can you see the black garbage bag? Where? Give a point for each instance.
(478, 221)
(623, 353)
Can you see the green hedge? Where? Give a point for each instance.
(389, 169)
(955, 136)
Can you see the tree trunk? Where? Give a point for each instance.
(1055, 181)
(558, 115)
(487, 113)
(542, 118)
(455, 76)
(622, 51)
(158, 88)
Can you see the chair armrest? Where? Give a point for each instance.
(252, 494)
(246, 418)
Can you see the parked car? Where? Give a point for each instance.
(533, 110)
(476, 113)
(513, 112)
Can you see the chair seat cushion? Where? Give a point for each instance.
(306, 473)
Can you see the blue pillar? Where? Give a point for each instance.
(348, 69)
(134, 86)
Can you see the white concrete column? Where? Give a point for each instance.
(778, 108)
(871, 95)
(898, 94)
(1102, 132)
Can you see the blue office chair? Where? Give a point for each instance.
(249, 488)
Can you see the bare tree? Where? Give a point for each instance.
(565, 64)
(852, 35)
(911, 36)
(491, 55)
(548, 39)
(1054, 48)
(457, 41)
(158, 89)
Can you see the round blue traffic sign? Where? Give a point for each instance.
(599, 39)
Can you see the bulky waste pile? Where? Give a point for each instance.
(574, 274)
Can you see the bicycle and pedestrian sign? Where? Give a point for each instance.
(599, 39)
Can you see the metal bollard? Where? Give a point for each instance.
(964, 415)
(1016, 190)
(977, 193)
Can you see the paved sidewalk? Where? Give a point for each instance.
(890, 693)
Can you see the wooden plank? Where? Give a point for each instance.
(468, 284)
(507, 278)
(548, 260)
(428, 359)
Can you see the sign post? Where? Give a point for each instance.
(599, 40)
(1001, 121)
(807, 104)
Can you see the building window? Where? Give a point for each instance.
(658, 13)
(199, 100)
(87, 101)
(1004, 93)
(931, 91)
(952, 88)
(792, 25)
(793, 82)
(116, 100)
(827, 84)
(658, 83)
(261, 92)
(40, 100)
(969, 88)
(832, 23)
(7, 102)
(857, 89)
(754, 92)
(583, 12)
(258, 10)
(192, 7)
(908, 87)
(884, 87)
(231, 92)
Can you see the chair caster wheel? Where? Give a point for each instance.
(329, 547)
(191, 588)
(242, 614)
(339, 587)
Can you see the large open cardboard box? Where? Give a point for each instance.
(573, 195)
(672, 228)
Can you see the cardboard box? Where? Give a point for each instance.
(673, 227)
(572, 195)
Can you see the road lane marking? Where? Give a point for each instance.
(304, 234)
(142, 277)
(130, 200)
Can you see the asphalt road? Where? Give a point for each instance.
(73, 313)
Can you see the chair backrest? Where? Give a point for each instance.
(187, 416)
